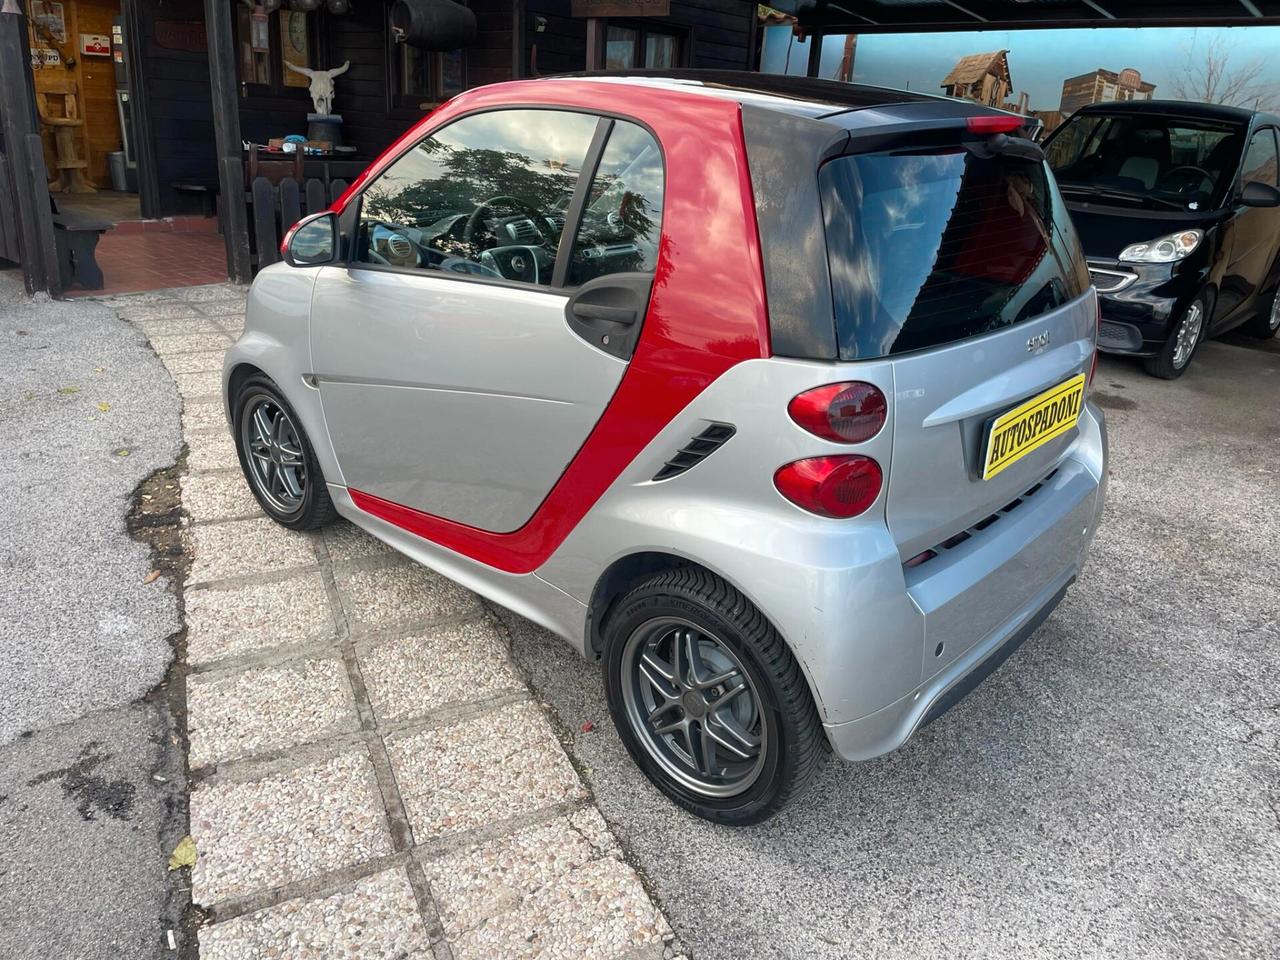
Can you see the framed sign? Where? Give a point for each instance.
(620, 8)
(49, 17)
(95, 45)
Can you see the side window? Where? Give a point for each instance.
(485, 196)
(622, 222)
(1260, 160)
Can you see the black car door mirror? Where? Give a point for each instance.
(1257, 194)
(313, 241)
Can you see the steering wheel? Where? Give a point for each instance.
(1189, 184)
(476, 219)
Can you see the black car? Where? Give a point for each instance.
(1178, 208)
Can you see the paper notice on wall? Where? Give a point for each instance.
(42, 57)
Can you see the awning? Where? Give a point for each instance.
(908, 16)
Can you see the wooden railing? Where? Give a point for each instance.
(274, 209)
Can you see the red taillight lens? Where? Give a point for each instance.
(839, 487)
(993, 123)
(843, 412)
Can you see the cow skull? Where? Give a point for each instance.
(321, 85)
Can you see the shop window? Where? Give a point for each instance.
(269, 41)
(628, 47)
(426, 76)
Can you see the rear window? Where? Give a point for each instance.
(929, 248)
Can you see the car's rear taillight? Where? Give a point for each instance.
(838, 487)
(842, 412)
(993, 123)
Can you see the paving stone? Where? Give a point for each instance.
(232, 326)
(246, 546)
(183, 363)
(223, 623)
(211, 451)
(266, 708)
(203, 415)
(213, 291)
(375, 919)
(191, 343)
(483, 880)
(406, 593)
(205, 384)
(259, 834)
(478, 770)
(222, 307)
(141, 308)
(346, 541)
(217, 496)
(178, 326)
(449, 664)
(598, 911)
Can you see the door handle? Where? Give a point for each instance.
(588, 312)
(608, 311)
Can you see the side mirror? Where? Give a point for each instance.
(1256, 194)
(312, 241)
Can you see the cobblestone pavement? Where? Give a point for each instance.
(371, 776)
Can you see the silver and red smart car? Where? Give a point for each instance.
(770, 394)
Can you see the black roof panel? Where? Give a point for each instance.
(1176, 108)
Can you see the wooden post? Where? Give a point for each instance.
(226, 130)
(815, 54)
(17, 119)
(595, 44)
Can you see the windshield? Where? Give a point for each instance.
(1147, 161)
(929, 248)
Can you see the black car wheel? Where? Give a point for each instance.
(1175, 357)
(708, 698)
(277, 458)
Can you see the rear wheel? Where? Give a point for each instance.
(1267, 323)
(708, 699)
(1175, 357)
(277, 458)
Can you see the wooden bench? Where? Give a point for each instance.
(76, 237)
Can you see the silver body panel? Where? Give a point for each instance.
(865, 628)
(462, 400)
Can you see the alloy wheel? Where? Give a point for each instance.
(1273, 322)
(276, 464)
(1188, 334)
(694, 707)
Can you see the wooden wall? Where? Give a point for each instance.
(95, 80)
(718, 34)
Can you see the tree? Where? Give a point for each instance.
(1210, 76)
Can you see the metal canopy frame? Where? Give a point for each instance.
(929, 16)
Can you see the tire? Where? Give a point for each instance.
(297, 498)
(656, 624)
(1267, 323)
(1170, 363)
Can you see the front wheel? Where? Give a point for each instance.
(708, 699)
(1175, 357)
(277, 458)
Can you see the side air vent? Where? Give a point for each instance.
(696, 450)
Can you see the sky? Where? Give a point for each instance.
(1039, 60)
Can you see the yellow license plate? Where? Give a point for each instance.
(1024, 428)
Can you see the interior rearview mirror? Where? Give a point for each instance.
(313, 241)
(1256, 194)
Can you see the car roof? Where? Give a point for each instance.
(1178, 108)
(800, 96)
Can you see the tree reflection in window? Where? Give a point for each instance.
(622, 224)
(498, 179)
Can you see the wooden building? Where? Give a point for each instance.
(1101, 86)
(980, 77)
(205, 77)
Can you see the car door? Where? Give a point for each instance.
(1254, 231)
(458, 371)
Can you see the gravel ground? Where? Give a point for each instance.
(90, 778)
(1113, 791)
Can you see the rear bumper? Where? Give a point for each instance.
(889, 728)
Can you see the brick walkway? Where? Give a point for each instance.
(371, 777)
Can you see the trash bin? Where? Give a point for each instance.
(119, 171)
